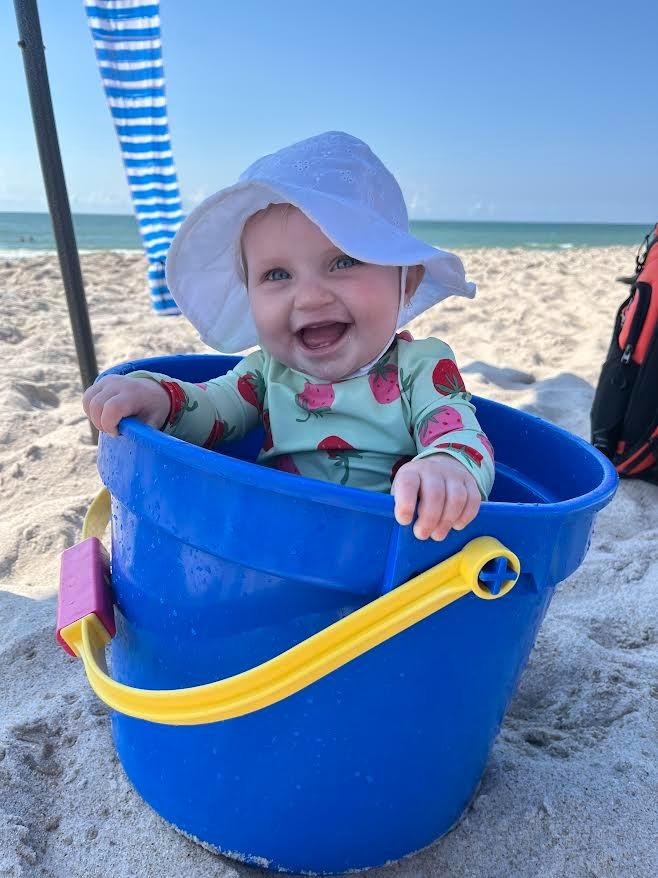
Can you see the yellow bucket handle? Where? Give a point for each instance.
(98, 515)
(304, 663)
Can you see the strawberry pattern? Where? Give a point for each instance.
(285, 463)
(251, 387)
(383, 381)
(268, 442)
(472, 456)
(438, 422)
(446, 378)
(218, 433)
(340, 452)
(483, 439)
(411, 404)
(315, 399)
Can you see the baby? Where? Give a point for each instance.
(309, 255)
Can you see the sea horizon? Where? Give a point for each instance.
(24, 233)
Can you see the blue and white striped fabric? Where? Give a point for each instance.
(126, 36)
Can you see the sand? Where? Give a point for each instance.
(571, 786)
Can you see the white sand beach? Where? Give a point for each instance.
(571, 788)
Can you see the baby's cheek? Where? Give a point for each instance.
(271, 323)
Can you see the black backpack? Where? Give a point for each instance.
(625, 410)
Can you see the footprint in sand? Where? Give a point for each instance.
(38, 397)
(501, 376)
(17, 853)
(8, 561)
(617, 634)
(555, 721)
(11, 335)
(42, 738)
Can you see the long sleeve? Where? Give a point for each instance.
(442, 415)
(222, 408)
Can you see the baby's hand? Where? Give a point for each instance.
(449, 495)
(121, 396)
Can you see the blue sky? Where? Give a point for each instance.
(483, 110)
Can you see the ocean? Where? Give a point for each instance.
(22, 234)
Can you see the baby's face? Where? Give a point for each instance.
(316, 309)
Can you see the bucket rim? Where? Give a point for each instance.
(254, 475)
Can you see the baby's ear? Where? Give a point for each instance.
(415, 275)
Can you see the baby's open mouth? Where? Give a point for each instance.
(321, 336)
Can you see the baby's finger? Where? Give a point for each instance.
(113, 402)
(90, 394)
(116, 407)
(472, 506)
(456, 497)
(96, 404)
(405, 491)
(431, 506)
(107, 386)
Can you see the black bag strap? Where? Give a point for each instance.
(643, 292)
(650, 239)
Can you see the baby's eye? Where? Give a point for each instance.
(277, 274)
(346, 262)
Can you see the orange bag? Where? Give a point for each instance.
(624, 414)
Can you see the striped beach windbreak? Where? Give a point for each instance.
(126, 36)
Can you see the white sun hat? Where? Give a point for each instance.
(341, 186)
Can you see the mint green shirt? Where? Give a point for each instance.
(357, 432)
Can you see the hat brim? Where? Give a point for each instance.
(203, 264)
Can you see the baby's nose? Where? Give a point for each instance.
(313, 294)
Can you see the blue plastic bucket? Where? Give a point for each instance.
(219, 564)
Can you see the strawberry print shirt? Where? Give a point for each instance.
(357, 432)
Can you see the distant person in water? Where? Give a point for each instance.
(309, 255)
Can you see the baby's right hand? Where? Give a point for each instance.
(121, 396)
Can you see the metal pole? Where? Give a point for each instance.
(36, 74)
